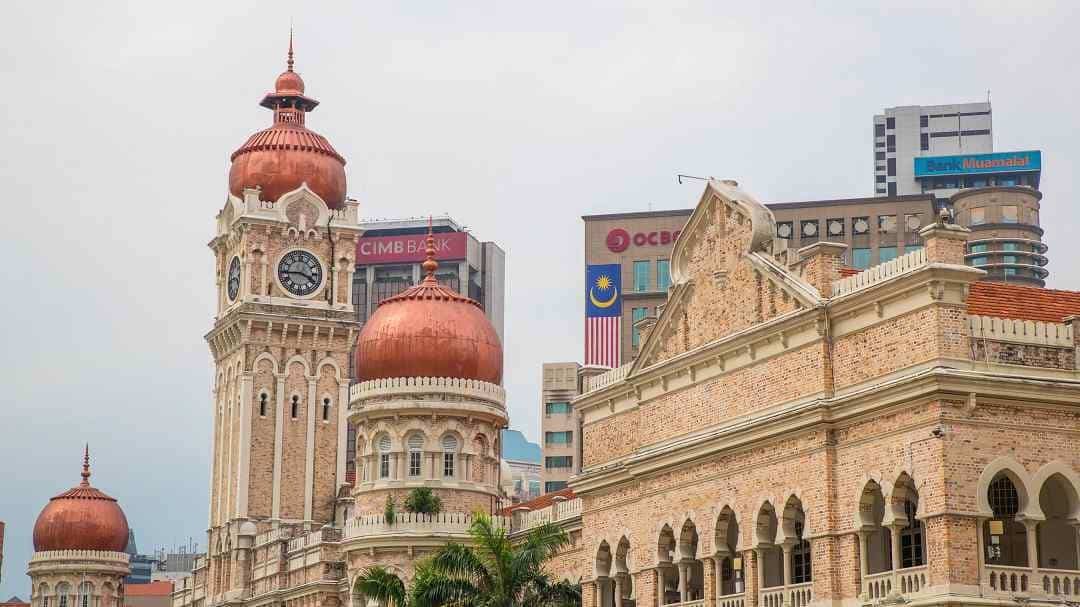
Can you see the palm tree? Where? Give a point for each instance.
(491, 572)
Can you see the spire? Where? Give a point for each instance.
(430, 265)
(290, 61)
(86, 467)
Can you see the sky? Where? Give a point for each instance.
(514, 118)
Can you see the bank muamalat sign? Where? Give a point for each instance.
(619, 240)
(410, 248)
(968, 164)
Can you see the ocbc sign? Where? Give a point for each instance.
(618, 239)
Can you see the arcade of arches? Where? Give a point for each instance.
(770, 562)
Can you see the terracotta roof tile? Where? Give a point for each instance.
(541, 502)
(158, 588)
(1026, 303)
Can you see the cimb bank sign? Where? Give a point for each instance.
(410, 248)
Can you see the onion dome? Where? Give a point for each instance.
(429, 331)
(288, 154)
(81, 518)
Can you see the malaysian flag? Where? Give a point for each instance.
(603, 314)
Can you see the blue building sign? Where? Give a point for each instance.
(973, 164)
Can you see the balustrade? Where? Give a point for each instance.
(731, 600)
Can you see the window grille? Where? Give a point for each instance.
(1004, 500)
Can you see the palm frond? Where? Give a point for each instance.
(433, 589)
(457, 561)
(382, 586)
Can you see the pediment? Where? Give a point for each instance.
(726, 278)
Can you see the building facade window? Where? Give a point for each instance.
(384, 456)
(450, 446)
(890, 143)
(326, 409)
(62, 592)
(85, 590)
(559, 461)
(924, 122)
(663, 274)
(552, 486)
(892, 188)
(924, 142)
(801, 571)
(557, 409)
(1010, 259)
(890, 167)
(641, 275)
(1009, 214)
(879, 130)
(262, 404)
(559, 438)
(416, 448)
(978, 216)
(979, 248)
(1005, 246)
(886, 254)
(887, 224)
(979, 261)
(890, 123)
(911, 539)
(860, 258)
(1005, 537)
(294, 409)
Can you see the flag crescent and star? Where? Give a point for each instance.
(603, 314)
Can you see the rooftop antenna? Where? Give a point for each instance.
(681, 176)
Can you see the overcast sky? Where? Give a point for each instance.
(515, 118)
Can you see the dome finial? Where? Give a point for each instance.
(290, 61)
(86, 467)
(430, 265)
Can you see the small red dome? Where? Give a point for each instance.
(81, 518)
(289, 83)
(429, 331)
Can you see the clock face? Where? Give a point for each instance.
(784, 230)
(861, 225)
(809, 228)
(300, 273)
(234, 278)
(836, 227)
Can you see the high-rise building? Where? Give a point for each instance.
(904, 133)
(632, 251)
(560, 429)
(142, 565)
(391, 251)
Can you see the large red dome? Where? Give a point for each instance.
(81, 518)
(429, 331)
(288, 154)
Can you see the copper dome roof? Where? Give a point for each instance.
(288, 154)
(81, 518)
(429, 331)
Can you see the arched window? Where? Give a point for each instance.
(86, 589)
(62, 592)
(912, 545)
(384, 456)
(450, 447)
(416, 448)
(326, 409)
(800, 557)
(1004, 536)
(1057, 534)
(295, 409)
(43, 595)
(262, 404)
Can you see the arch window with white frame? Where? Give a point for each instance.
(326, 409)
(450, 447)
(43, 595)
(384, 456)
(1005, 537)
(62, 592)
(86, 590)
(416, 453)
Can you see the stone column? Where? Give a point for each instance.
(1032, 527)
(618, 589)
(661, 584)
(786, 547)
(894, 533)
(864, 558)
(683, 575)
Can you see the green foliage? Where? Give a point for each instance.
(423, 500)
(491, 571)
(389, 511)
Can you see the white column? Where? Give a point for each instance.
(864, 559)
(370, 273)
(1032, 527)
(683, 581)
(279, 434)
(309, 450)
(618, 589)
(786, 547)
(243, 467)
(894, 533)
(342, 434)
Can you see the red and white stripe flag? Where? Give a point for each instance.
(602, 340)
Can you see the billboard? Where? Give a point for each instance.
(409, 248)
(972, 164)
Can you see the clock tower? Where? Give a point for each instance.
(285, 247)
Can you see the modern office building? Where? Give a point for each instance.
(904, 133)
(639, 244)
(559, 427)
(142, 565)
(390, 252)
(876, 229)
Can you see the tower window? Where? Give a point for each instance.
(450, 445)
(262, 405)
(416, 446)
(326, 409)
(384, 456)
(295, 410)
